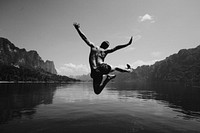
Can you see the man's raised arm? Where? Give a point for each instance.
(119, 47)
(77, 27)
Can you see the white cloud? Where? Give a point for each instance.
(72, 69)
(146, 17)
(156, 54)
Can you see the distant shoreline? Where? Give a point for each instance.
(43, 82)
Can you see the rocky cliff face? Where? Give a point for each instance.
(14, 56)
(49, 67)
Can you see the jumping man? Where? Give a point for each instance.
(96, 60)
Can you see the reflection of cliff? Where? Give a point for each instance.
(17, 100)
(178, 96)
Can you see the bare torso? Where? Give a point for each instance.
(96, 57)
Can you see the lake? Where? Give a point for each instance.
(120, 108)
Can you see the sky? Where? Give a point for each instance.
(160, 28)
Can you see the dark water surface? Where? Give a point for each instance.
(120, 108)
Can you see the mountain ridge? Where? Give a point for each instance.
(183, 66)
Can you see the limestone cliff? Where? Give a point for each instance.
(13, 56)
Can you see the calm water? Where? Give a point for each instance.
(120, 108)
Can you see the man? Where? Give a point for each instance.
(96, 60)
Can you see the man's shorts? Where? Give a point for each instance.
(101, 70)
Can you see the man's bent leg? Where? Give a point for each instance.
(98, 85)
(128, 69)
(122, 70)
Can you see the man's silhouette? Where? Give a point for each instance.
(96, 60)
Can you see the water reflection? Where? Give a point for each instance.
(20, 100)
(177, 96)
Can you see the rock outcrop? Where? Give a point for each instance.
(13, 56)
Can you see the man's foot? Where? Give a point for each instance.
(129, 68)
(109, 76)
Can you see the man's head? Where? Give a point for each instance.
(104, 44)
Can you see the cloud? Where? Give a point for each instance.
(146, 17)
(72, 69)
(156, 54)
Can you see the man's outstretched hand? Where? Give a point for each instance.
(129, 43)
(76, 25)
